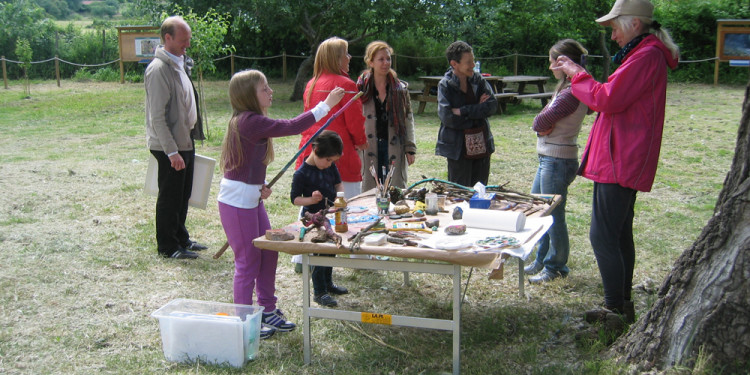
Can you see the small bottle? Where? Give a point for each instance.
(478, 67)
(340, 220)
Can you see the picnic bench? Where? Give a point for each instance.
(504, 93)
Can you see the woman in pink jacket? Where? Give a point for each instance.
(622, 151)
(331, 70)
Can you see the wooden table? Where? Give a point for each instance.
(430, 82)
(519, 90)
(504, 93)
(429, 260)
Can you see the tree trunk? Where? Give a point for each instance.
(304, 73)
(702, 311)
(605, 55)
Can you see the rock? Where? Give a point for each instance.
(401, 209)
(458, 213)
(278, 235)
(432, 223)
(455, 229)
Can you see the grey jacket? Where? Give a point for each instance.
(167, 127)
(450, 142)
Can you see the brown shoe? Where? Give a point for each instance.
(598, 315)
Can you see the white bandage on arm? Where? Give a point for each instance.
(320, 110)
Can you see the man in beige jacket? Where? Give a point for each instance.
(172, 124)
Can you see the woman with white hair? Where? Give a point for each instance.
(622, 150)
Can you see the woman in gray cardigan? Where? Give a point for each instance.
(389, 123)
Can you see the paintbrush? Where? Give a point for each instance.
(345, 92)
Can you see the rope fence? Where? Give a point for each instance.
(284, 58)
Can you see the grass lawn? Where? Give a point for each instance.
(79, 273)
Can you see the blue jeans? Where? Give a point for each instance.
(553, 176)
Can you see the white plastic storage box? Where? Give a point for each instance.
(212, 332)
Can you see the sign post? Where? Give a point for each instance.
(137, 43)
(732, 43)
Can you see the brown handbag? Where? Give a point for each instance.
(475, 140)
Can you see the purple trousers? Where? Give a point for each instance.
(254, 269)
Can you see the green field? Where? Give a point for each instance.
(79, 274)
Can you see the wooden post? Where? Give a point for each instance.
(231, 64)
(515, 64)
(57, 70)
(5, 74)
(283, 65)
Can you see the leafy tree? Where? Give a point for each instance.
(22, 19)
(56, 8)
(208, 32)
(24, 53)
(299, 26)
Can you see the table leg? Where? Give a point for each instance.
(457, 319)
(306, 306)
(422, 101)
(520, 277)
(540, 86)
(521, 87)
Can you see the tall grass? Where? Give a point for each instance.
(79, 274)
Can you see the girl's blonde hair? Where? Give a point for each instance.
(327, 60)
(243, 89)
(625, 23)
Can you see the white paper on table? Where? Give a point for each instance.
(534, 230)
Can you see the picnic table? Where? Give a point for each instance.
(501, 85)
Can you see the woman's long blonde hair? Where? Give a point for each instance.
(243, 88)
(327, 60)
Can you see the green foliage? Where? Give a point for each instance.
(100, 75)
(261, 29)
(56, 8)
(21, 19)
(208, 31)
(692, 24)
(107, 8)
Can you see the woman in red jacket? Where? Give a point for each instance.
(622, 151)
(332, 70)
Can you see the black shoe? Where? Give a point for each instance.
(337, 290)
(183, 254)
(194, 246)
(326, 300)
(628, 310)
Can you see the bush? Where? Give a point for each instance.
(82, 75)
(107, 75)
(133, 77)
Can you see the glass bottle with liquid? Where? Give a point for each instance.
(340, 216)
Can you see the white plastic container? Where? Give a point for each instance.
(212, 332)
